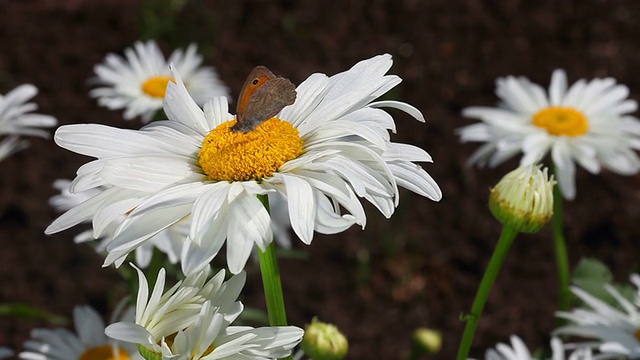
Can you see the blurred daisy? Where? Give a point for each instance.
(192, 321)
(586, 123)
(89, 341)
(323, 153)
(138, 81)
(169, 241)
(16, 119)
(5, 352)
(519, 351)
(617, 329)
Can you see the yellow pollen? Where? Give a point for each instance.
(156, 86)
(560, 121)
(234, 156)
(637, 334)
(104, 352)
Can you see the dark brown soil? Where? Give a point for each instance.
(419, 268)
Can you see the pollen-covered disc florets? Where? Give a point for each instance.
(228, 155)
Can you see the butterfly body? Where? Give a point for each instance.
(263, 95)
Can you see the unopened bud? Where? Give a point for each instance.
(323, 341)
(427, 341)
(523, 199)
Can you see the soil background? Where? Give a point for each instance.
(419, 268)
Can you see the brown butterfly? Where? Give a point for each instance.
(263, 95)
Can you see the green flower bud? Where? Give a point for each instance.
(523, 199)
(323, 341)
(426, 341)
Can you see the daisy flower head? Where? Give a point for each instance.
(137, 82)
(17, 119)
(169, 241)
(323, 153)
(192, 320)
(89, 342)
(519, 351)
(5, 352)
(587, 123)
(616, 329)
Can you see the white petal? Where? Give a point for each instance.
(302, 207)
(129, 332)
(180, 106)
(89, 325)
(564, 169)
(206, 208)
(558, 87)
(414, 112)
(216, 112)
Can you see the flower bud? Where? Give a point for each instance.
(323, 341)
(426, 341)
(523, 199)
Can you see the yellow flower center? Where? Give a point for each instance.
(156, 86)
(234, 156)
(560, 121)
(104, 352)
(637, 334)
(208, 351)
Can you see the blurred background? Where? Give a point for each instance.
(419, 268)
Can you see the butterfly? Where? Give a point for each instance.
(263, 95)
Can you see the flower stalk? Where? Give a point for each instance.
(523, 202)
(504, 243)
(560, 247)
(271, 281)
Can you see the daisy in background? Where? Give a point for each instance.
(586, 123)
(17, 119)
(519, 351)
(88, 342)
(322, 154)
(137, 81)
(192, 320)
(616, 330)
(5, 352)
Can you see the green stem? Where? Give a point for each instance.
(560, 245)
(499, 253)
(271, 281)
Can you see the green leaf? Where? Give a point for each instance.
(30, 313)
(591, 275)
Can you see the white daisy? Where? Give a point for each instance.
(16, 119)
(519, 351)
(322, 153)
(88, 342)
(192, 321)
(5, 352)
(617, 330)
(169, 241)
(586, 123)
(137, 82)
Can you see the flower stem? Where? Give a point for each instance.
(271, 281)
(499, 253)
(560, 245)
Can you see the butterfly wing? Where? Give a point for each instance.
(257, 77)
(263, 95)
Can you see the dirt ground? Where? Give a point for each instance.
(419, 268)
